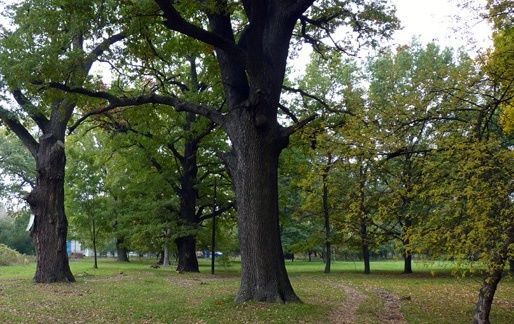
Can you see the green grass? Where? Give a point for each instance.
(134, 292)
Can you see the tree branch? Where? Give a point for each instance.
(297, 7)
(287, 131)
(34, 113)
(304, 93)
(288, 112)
(176, 22)
(176, 153)
(101, 48)
(14, 125)
(117, 102)
(217, 212)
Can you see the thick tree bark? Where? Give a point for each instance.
(186, 246)
(252, 73)
(121, 250)
(486, 295)
(187, 261)
(254, 167)
(46, 201)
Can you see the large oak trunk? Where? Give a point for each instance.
(186, 246)
(121, 250)
(187, 261)
(486, 295)
(47, 204)
(254, 172)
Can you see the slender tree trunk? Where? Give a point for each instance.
(165, 256)
(486, 295)
(254, 168)
(187, 261)
(407, 262)
(94, 244)
(365, 248)
(310, 256)
(326, 216)
(511, 267)
(363, 216)
(46, 202)
(121, 250)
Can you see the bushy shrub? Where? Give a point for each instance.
(9, 256)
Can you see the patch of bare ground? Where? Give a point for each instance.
(346, 313)
(391, 312)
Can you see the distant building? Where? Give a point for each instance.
(74, 249)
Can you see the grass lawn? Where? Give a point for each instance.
(134, 292)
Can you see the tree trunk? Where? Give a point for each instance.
(121, 250)
(511, 267)
(363, 218)
(186, 246)
(47, 204)
(254, 167)
(326, 216)
(187, 261)
(365, 247)
(310, 256)
(94, 245)
(486, 295)
(365, 256)
(165, 256)
(407, 264)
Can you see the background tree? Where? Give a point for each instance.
(88, 203)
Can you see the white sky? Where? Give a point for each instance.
(443, 21)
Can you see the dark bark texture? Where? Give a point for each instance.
(486, 296)
(121, 250)
(488, 289)
(407, 263)
(264, 276)
(365, 248)
(186, 246)
(46, 201)
(187, 261)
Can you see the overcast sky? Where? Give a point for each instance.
(443, 21)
